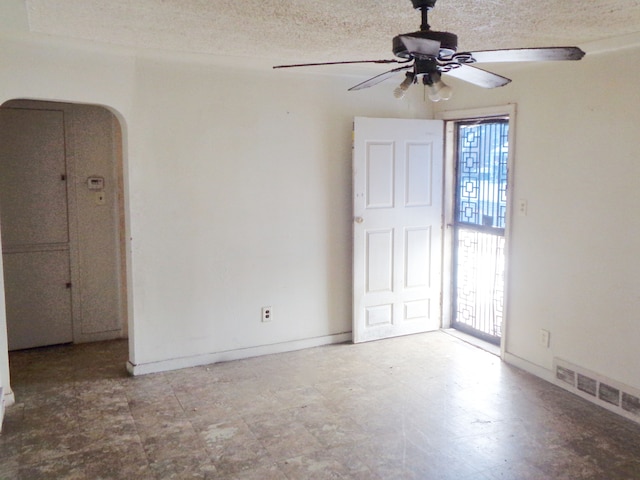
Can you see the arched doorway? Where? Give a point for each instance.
(62, 212)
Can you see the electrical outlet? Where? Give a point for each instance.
(267, 313)
(545, 338)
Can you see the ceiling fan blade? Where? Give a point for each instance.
(478, 77)
(529, 55)
(339, 63)
(421, 46)
(379, 78)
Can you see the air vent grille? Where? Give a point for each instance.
(598, 389)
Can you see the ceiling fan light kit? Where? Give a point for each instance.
(437, 89)
(427, 54)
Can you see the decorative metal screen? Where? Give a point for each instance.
(482, 173)
(481, 204)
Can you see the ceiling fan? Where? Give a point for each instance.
(427, 54)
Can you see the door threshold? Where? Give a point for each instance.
(476, 342)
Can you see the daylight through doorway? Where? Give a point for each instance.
(481, 158)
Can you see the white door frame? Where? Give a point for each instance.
(449, 205)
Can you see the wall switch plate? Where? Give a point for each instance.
(522, 207)
(95, 183)
(100, 198)
(267, 313)
(545, 338)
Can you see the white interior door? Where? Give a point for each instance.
(397, 175)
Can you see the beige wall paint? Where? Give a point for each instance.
(8, 397)
(574, 261)
(246, 179)
(13, 16)
(237, 188)
(93, 142)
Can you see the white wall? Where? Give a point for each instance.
(8, 396)
(575, 267)
(242, 199)
(238, 191)
(92, 143)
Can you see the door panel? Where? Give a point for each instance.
(418, 249)
(33, 193)
(379, 174)
(379, 256)
(397, 227)
(419, 174)
(38, 302)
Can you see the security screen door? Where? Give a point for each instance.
(482, 150)
(397, 229)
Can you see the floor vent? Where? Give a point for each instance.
(598, 389)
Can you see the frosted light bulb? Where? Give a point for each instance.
(401, 89)
(439, 91)
(399, 92)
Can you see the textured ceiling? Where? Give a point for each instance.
(324, 30)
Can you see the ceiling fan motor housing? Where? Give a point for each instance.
(448, 43)
(420, 4)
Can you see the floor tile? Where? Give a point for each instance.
(418, 407)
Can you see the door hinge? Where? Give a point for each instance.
(63, 177)
(68, 285)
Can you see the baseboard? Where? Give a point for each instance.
(209, 358)
(1, 407)
(9, 398)
(529, 367)
(624, 402)
(98, 337)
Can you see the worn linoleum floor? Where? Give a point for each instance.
(421, 407)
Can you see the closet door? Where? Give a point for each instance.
(35, 228)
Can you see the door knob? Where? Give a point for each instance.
(359, 219)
